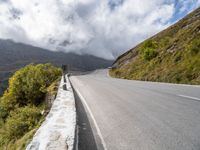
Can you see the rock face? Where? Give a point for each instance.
(58, 130)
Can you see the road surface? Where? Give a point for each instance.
(136, 115)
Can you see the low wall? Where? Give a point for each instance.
(58, 129)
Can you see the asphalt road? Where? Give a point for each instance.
(137, 115)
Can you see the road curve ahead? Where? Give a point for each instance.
(137, 115)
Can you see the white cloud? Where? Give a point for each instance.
(103, 28)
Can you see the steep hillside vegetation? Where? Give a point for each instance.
(172, 55)
(22, 104)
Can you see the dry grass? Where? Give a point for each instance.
(177, 58)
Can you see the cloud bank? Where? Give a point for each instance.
(104, 28)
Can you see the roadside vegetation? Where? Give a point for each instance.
(172, 55)
(22, 104)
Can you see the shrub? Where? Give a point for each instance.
(147, 50)
(149, 54)
(3, 113)
(21, 121)
(22, 102)
(7, 103)
(149, 44)
(53, 88)
(195, 46)
(164, 41)
(29, 84)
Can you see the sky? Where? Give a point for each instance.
(104, 28)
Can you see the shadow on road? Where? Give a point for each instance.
(86, 138)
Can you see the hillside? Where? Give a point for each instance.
(31, 91)
(16, 55)
(172, 55)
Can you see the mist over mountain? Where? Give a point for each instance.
(104, 28)
(16, 55)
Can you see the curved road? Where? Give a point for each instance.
(137, 115)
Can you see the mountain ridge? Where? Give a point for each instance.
(14, 56)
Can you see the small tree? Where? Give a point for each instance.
(149, 54)
(28, 86)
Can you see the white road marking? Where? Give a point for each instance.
(190, 97)
(95, 123)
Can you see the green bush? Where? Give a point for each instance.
(164, 41)
(28, 85)
(3, 113)
(21, 120)
(23, 101)
(149, 44)
(195, 46)
(19, 123)
(149, 54)
(147, 49)
(7, 103)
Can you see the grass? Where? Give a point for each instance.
(22, 143)
(172, 56)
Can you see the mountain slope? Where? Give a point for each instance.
(16, 55)
(172, 55)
